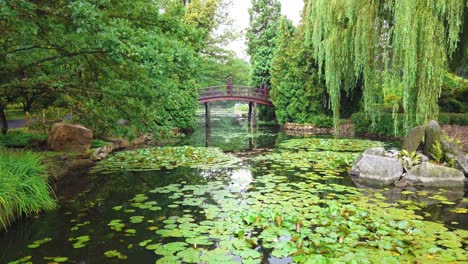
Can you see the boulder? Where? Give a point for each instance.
(376, 170)
(432, 135)
(414, 138)
(69, 138)
(454, 151)
(380, 151)
(432, 175)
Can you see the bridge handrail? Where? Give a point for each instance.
(233, 90)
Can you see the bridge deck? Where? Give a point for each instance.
(234, 93)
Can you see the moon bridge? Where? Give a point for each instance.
(232, 92)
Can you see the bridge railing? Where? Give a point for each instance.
(234, 91)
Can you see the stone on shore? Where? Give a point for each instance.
(70, 138)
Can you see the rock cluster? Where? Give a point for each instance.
(410, 167)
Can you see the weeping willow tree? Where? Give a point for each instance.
(385, 44)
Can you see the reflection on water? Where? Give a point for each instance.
(232, 134)
(187, 197)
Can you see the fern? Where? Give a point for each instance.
(436, 152)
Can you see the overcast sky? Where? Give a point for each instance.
(291, 8)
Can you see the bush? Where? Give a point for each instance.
(383, 127)
(42, 121)
(322, 121)
(97, 143)
(22, 139)
(23, 186)
(453, 119)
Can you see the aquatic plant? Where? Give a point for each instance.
(165, 157)
(23, 186)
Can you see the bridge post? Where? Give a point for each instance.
(249, 116)
(207, 115)
(254, 121)
(252, 117)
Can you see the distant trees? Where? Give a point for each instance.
(296, 91)
(262, 40)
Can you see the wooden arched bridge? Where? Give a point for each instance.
(231, 92)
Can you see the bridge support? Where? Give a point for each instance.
(252, 117)
(207, 115)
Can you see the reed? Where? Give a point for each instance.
(24, 189)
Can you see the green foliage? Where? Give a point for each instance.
(23, 186)
(106, 60)
(453, 94)
(20, 138)
(322, 121)
(384, 126)
(372, 42)
(43, 120)
(165, 157)
(460, 119)
(97, 143)
(216, 72)
(437, 153)
(262, 41)
(295, 88)
(409, 159)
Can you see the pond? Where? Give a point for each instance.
(251, 197)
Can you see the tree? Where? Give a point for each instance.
(296, 91)
(133, 60)
(216, 72)
(406, 43)
(262, 42)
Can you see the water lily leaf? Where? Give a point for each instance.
(168, 260)
(114, 254)
(22, 260)
(190, 255)
(38, 243)
(136, 219)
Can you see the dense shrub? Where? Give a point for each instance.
(22, 139)
(322, 121)
(383, 127)
(460, 119)
(23, 186)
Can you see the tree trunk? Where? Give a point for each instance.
(4, 121)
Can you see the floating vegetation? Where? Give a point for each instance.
(38, 243)
(114, 254)
(293, 207)
(165, 157)
(26, 259)
(56, 259)
(79, 242)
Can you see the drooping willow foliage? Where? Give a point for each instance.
(396, 45)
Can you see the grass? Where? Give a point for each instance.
(97, 143)
(24, 189)
(15, 114)
(19, 138)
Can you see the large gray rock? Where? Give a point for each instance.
(69, 138)
(454, 151)
(414, 138)
(380, 151)
(432, 135)
(432, 175)
(376, 170)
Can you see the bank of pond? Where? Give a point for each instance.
(249, 197)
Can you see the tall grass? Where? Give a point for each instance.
(23, 186)
(19, 138)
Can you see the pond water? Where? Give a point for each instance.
(265, 198)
